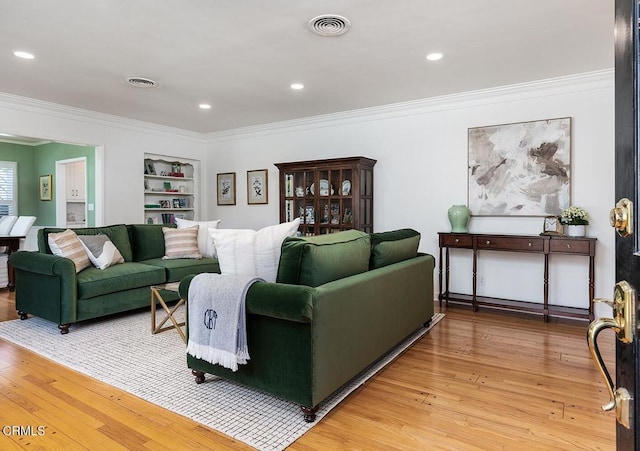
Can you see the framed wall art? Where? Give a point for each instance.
(46, 187)
(520, 169)
(227, 188)
(257, 187)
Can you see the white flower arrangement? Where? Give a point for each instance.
(574, 216)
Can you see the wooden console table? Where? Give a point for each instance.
(535, 244)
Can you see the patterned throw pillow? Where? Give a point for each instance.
(181, 243)
(66, 244)
(101, 251)
(205, 242)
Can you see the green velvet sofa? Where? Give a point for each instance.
(340, 302)
(48, 286)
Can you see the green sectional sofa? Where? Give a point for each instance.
(341, 301)
(48, 286)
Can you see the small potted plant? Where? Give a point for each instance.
(576, 219)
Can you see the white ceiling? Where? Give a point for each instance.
(241, 55)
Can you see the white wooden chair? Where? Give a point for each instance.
(20, 226)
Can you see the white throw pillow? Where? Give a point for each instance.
(66, 244)
(205, 242)
(181, 243)
(252, 253)
(101, 251)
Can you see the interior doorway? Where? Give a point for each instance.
(71, 193)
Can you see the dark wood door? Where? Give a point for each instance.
(627, 154)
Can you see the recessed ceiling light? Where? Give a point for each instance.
(297, 86)
(24, 55)
(435, 56)
(204, 106)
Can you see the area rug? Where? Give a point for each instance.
(122, 352)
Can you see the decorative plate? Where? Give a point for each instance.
(324, 187)
(346, 187)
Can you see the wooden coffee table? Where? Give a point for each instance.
(156, 296)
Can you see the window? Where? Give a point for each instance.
(8, 188)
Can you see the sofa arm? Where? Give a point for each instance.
(40, 263)
(276, 300)
(46, 286)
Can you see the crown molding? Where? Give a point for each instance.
(603, 79)
(43, 107)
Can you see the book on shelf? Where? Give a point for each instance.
(168, 218)
(288, 210)
(288, 184)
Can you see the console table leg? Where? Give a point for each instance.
(546, 288)
(440, 278)
(591, 287)
(474, 298)
(446, 277)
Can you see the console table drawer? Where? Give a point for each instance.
(465, 241)
(570, 246)
(511, 243)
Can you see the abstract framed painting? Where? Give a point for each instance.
(520, 169)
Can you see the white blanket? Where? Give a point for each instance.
(217, 319)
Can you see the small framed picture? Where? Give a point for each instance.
(45, 187)
(149, 167)
(257, 187)
(227, 188)
(165, 204)
(176, 203)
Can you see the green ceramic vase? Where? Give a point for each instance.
(459, 218)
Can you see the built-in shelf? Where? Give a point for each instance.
(168, 196)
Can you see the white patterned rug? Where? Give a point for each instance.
(122, 352)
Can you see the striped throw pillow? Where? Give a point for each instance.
(181, 243)
(66, 244)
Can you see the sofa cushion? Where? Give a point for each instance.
(252, 253)
(95, 282)
(181, 243)
(205, 242)
(316, 260)
(66, 244)
(118, 235)
(176, 269)
(147, 240)
(100, 250)
(392, 247)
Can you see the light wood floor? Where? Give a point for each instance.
(486, 381)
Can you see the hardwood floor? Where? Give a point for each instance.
(489, 380)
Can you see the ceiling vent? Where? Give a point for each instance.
(329, 25)
(140, 82)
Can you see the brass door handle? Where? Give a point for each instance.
(624, 324)
(621, 217)
(595, 328)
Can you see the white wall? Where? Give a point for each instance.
(421, 148)
(122, 144)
